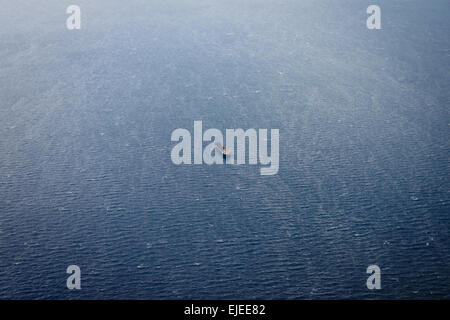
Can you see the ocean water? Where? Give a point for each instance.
(86, 176)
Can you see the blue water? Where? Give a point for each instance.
(86, 176)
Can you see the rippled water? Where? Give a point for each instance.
(85, 170)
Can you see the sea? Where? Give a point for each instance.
(86, 176)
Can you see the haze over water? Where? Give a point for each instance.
(86, 176)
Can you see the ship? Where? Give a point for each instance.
(222, 149)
